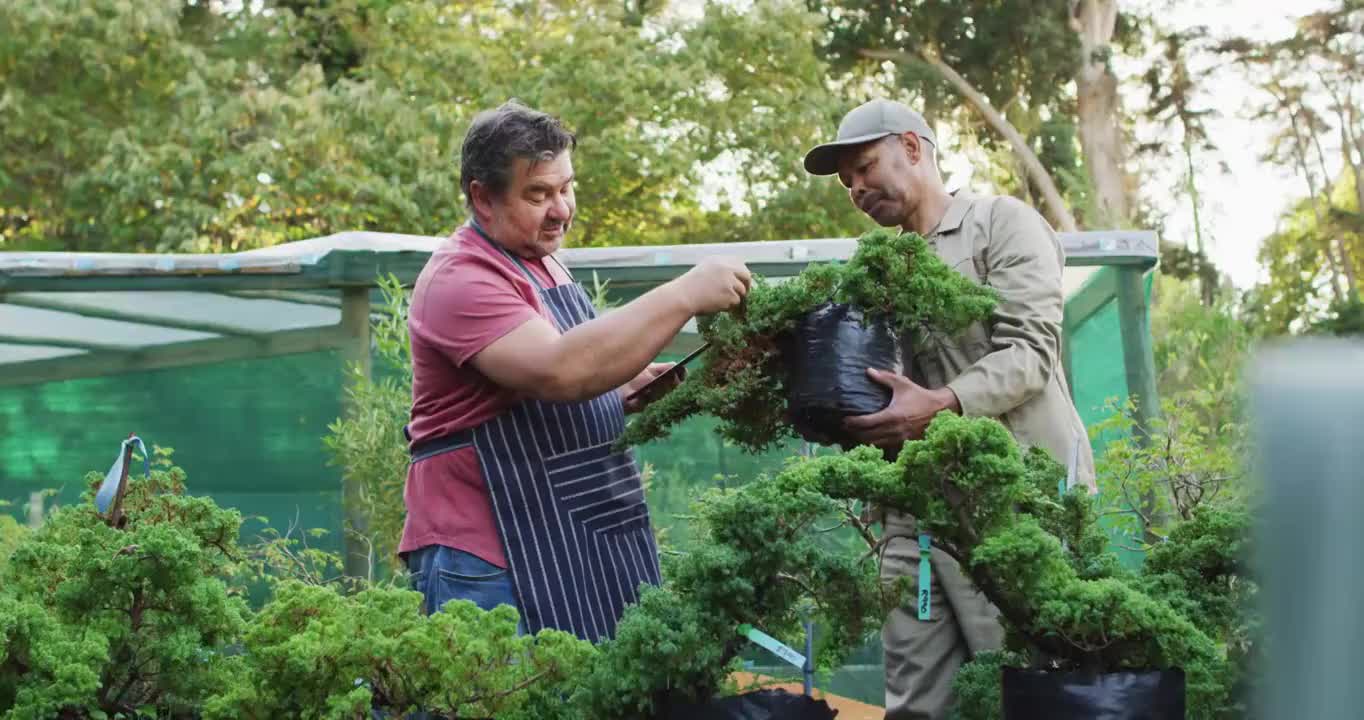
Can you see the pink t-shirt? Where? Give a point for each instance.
(468, 295)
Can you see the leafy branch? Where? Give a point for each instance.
(891, 276)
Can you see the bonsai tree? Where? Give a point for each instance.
(892, 277)
(1041, 558)
(757, 560)
(11, 533)
(138, 616)
(313, 652)
(105, 621)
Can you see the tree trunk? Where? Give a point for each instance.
(1355, 138)
(1335, 238)
(1207, 286)
(1053, 202)
(1352, 139)
(1352, 142)
(1097, 106)
(1300, 152)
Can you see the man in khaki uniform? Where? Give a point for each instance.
(1007, 368)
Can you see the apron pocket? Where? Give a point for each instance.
(599, 489)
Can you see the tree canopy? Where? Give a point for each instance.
(190, 129)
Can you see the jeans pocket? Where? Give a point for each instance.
(487, 592)
(458, 575)
(476, 576)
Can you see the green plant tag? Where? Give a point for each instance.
(781, 650)
(925, 577)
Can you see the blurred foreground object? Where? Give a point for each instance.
(1308, 404)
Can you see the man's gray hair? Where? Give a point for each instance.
(498, 136)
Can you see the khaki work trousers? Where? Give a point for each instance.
(922, 656)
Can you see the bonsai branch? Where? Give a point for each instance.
(863, 529)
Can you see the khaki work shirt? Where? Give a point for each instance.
(1008, 367)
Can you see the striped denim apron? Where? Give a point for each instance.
(571, 512)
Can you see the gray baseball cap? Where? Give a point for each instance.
(864, 123)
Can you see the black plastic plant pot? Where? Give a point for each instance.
(827, 356)
(757, 705)
(1136, 695)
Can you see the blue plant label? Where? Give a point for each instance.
(109, 488)
(775, 646)
(925, 577)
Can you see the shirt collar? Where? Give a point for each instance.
(956, 212)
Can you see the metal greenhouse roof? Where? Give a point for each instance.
(71, 315)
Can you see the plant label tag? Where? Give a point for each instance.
(772, 644)
(112, 479)
(925, 577)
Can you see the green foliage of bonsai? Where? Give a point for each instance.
(1041, 558)
(11, 534)
(891, 276)
(1201, 571)
(758, 560)
(977, 685)
(140, 618)
(312, 652)
(103, 621)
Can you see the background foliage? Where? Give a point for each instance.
(181, 126)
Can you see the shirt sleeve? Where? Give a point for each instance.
(470, 305)
(1023, 262)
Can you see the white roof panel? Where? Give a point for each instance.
(307, 251)
(62, 328)
(24, 353)
(246, 315)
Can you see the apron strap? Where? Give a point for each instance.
(563, 267)
(441, 445)
(498, 246)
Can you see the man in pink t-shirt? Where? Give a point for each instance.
(515, 494)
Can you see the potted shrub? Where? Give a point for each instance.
(314, 652)
(793, 361)
(105, 619)
(138, 614)
(758, 561)
(1083, 633)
